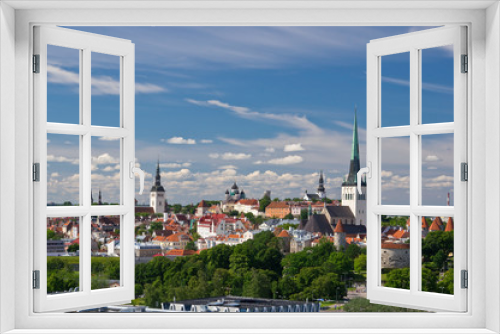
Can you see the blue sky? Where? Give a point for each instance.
(267, 107)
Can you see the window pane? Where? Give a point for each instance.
(63, 256)
(63, 85)
(105, 247)
(106, 171)
(437, 84)
(437, 169)
(105, 90)
(437, 254)
(63, 169)
(395, 93)
(395, 252)
(395, 171)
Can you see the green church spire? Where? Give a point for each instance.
(354, 164)
(355, 141)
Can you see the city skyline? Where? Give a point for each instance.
(268, 111)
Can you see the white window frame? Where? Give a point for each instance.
(483, 20)
(86, 44)
(414, 43)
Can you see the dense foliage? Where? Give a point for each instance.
(255, 268)
(63, 272)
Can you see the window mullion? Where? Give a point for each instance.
(85, 170)
(414, 168)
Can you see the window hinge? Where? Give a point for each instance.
(464, 168)
(465, 64)
(36, 172)
(36, 63)
(36, 279)
(465, 279)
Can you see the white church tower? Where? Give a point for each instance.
(350, 195)
(157, 196)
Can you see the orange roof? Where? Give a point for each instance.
(180, 252)
(424, 224)
(339, 228)
(438, 221)
(449, 225)
(251, 202)
(401, 234)
(284, 234)
(387, 245)
(202, 204)
(160, 239)
(176, 237)
(434, 226)
(277, 205)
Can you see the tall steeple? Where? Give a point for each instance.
(100, 197)
(157, 185)
(354, 165)
(321, 186)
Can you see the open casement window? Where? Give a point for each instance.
(68, 141)
(407, 143)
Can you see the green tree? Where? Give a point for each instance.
(398, 278)
(446, 285)
(233, 213)
(191, 246)
(360, 263)
(73, 248)
(429, 280)
(177, 208)
(258, 284)
(364, 305)
(353, 251)
(263, 203)
(289, 216)
(303, 214)
(51, 235)
(156, 226)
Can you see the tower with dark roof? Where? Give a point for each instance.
(339, 235)
(157, 195)
(350, 195)
(321, 186)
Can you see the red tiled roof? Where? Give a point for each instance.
(434, 226)
(401, 234)
(177, 237)
(449, 225)
(438, 221)
(339, 228)
(250, 202)
(180, 252)
(277, 205)
(202, 204)
(284, 234)
(387, 245)
(425, 226)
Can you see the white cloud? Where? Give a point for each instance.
(432, 158)
(293, 147)
(179, 140)
(52, 158)
(235, 156)
(288, 160)
(206, 141)
(108, 138)
(228, 167)
(101, 85)
(55, 174)
(425, 85)
(270, 149)
(230, 156)
(294, 121)
(439, 182)
(258, 162)
(386, 173)
(175, 164)
(104, 159)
